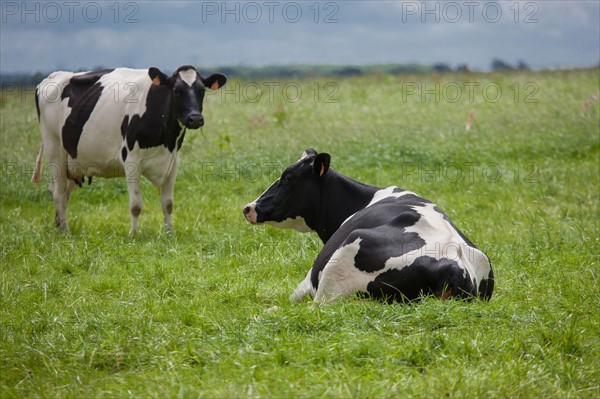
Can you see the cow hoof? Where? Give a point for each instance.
(61, 225)
(297, 298)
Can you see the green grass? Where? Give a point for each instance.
(205, 312)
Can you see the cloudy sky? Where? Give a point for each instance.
(45, 36)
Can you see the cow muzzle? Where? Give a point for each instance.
(194, 121)
(250, 213)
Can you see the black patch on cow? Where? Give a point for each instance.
(486, 286)
(123, 154)
(424, 277)
(79, 84)
(124, 125)
(83, 92)
(390, 240)
(78, 117)
(152, 129)
(180, 141)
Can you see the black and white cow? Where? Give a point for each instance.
(118, 122)
(387, 243)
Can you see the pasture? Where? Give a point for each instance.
(205, 312)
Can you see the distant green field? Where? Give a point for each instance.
(205, 312)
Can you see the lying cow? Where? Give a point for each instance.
(118, 122)
(386, 243)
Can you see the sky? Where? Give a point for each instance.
(42, 36)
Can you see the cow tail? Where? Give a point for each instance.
(38, 166)
(38, 162)
(37, 102)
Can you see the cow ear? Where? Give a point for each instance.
(321, 164)
(215, 81)
(158, 78)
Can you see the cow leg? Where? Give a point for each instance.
(340, 277)
(332, 288)
(70, 187)
(133, 176)
(59, 184)
(445, 293)
(38, 165)
(167, 196)
(60, 196)
(304, 289)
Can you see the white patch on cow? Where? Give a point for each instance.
(304, 155)
(298, 223)
(388, 192)
(340, 277)
(189, 76)
(158, 164)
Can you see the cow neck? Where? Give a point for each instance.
(341, 197)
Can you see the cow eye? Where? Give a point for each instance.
(286, 179)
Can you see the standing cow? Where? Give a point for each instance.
(118, 122)
(385, 242)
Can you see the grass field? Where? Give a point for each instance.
(205, 312)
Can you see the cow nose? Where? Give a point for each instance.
(250, 213)
(194, 121)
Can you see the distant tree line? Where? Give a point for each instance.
(21, 80)
(303, 71)
(500, 65)
(496, 65)
(296, 71)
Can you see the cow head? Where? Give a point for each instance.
(187, 92)
(292, 201)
